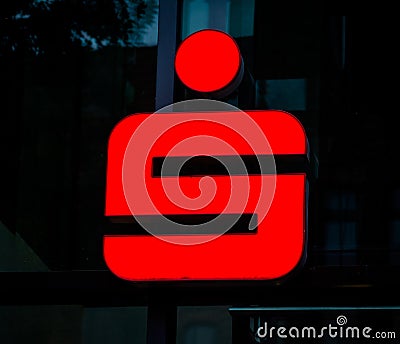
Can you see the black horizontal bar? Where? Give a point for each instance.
(129, 225)
(224, 165)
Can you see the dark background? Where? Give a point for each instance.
(61, 98)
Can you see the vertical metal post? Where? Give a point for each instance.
(240, 329)
(161, 322)
(162, 317)
(166, 49)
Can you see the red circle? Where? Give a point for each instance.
(207, 60)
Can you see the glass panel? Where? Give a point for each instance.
(114, 325)
(73, 69)
(395, 242)
(345, 200)
(16, 255)
(341, 243)
(72, 324)
(396, 199)
(341, 236)
(40, 324)
(241, 21)
(195, 16)
(283, 94)
(395, 235)
(197, 325)
(235, 17)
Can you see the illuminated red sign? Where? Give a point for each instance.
(206, 192)
(138, 145)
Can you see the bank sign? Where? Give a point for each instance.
(201, 190)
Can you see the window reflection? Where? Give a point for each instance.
(73, 69)
(235, 17)
(53, 26)
(282, 94)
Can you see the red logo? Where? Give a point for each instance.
(209, 61)
(205, 191)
